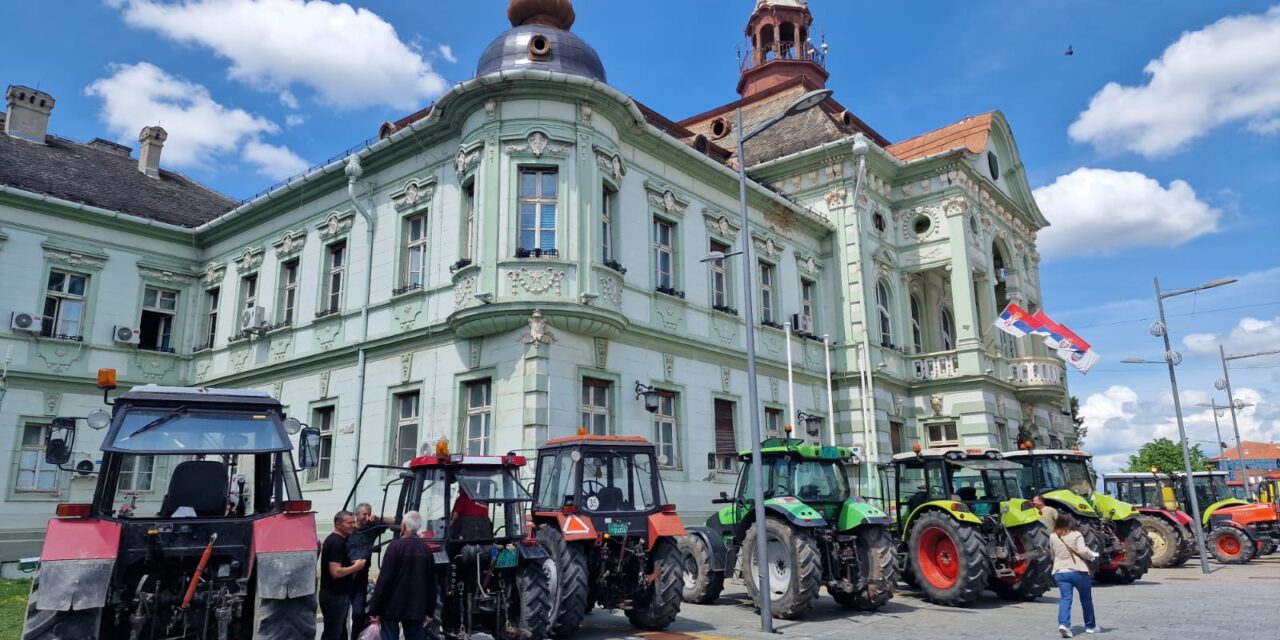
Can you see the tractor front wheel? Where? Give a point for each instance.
(1166, 542)
(1137, 554)
(534, 599)
(880, 571)
(286, 618)
(1230, 545)
(702, 585)
(1036, 569)
(1266, 548)
(663, 602)
(948, 559)
(570, 597)
(54, 625)
(794, 565)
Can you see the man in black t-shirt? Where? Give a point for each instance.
(360, 544)
(336, 581)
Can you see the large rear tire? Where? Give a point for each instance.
(60, 625)
(1137, 554)
(702, 585)
(665, 594)
(880, 567)
(1230, 545)
(1091, 531)
(1037, 574)
(795, 568)
(570, 598)
(1166, 542)
(948, 559)
(286, 619)
(534, 596)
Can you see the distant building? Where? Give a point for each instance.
(536, 261)
(1260, 459)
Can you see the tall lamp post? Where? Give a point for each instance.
(803, 103)
(1172, 358)
(1218, 412)
(1225, 383)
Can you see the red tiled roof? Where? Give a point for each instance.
(1254, 451)
(970, 133)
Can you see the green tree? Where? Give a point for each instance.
(1077, 422)
(1165, 455)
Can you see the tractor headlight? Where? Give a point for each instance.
(98, 419)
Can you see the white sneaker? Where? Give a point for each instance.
(1064, 630)
(1095, 629)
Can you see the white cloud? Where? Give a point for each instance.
(140, 95)
(288, 99)
(350, 57)
(294, 120)
(1249, 336)
(446, 52)
(272, 161)
(1226, 72)
(1096, 211)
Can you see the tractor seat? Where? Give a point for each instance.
(967, 494)
(471, 528)
(809, 493)
(198, 484)
(610, 499)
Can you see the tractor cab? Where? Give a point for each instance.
(1046, 470)
(980, 479)
(810, 474)
(1152, 490)
(1211, 490)
(610, 482)
(1269, 489)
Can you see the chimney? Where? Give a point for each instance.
(29, 110)
(152, 140)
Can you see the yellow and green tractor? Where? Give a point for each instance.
(963, 526)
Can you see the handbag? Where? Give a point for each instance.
(372, 632)
(1088, 565)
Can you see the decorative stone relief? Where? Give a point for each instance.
(836, 197)
(669, 314)
(152, 366)
(462, 291)
(407, 313)
(324, 383)
(467, 160)
(766, 245)
(277, 389)
(239, 358)
(807, 263)
(898, 402)
(726, 330)
(611, 290)
(537, 333)
(59, 355)
(668, 367)
(539, 144)
(585, 111)
(290, 244)
(724, 379)
(601, 352)
(336, 224)
(772, 342)
(414, 192)
(955, 206)
(611, 164)
(491, 109)
(51, 401)
(250, 259)
(719, 223)
(202, 369)
(1028, 411)
(474, 349)
(773, 388)
(406, 367)
(536, 282)
(164, 275)
(281, 346)
(813, 356)
(327, 334)
(71, 258)
(1000, 407)
(935, 401)
(213, 274)
(665, 199)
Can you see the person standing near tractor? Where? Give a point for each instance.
(405, 594)
(360, 544)
(1048, 515)
(336, 571)
(1071, 558)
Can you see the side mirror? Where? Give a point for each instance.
(711, 461)
(309, 448)
(723, 499)
(59, 441)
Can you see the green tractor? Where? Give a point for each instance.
(1066, 481)
(818, 534)
(964, 526)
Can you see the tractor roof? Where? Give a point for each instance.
(1030, 453)
(1201, 474)
(458, 460)
(1126, 475)
(154, 393)
(954, 453)
(796, 446)
(595, 440)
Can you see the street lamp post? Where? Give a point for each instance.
(1231, 402)
(804, 103)
(1172, 358)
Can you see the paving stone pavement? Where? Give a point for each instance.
(1240, 602)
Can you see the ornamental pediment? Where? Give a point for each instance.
(718, 222)
(610, 162)
(539, 144)
(415, 192)
(249, 260)
(336, 224)
(290, 244)
(468, 158)
(664, 198)
(767, 244)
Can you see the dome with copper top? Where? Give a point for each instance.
(539, 38)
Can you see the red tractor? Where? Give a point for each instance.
(196, 530)
(602, 515)
(1238, 531)
(1173, 541)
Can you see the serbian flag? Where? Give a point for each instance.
(1070, 347)
(1015, 320)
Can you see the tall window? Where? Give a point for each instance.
(335, 264)
(895, 437)
(726, 440)
(468, 221)
(917, 324)
(479, 416)
(211, 298)
(773, 422)
(719, 278)
(942, 435)
(136, 473)
(406, 436)
(322, 419)
(766, 292)
(882, 311)
(948, 328)
(288, 292)
(64, 305)
(248, 294)
(415, 251)
(595, 406)
(806, 301)
(663, 254)
(34, 474)
(665, 431)
(538, 209)
(606, 224)
(159, 306)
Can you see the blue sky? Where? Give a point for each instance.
(1153, 149)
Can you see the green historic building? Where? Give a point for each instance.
(520, 259)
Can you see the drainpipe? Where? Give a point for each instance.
(354, 171)
(860, 148)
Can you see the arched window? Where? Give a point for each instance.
(917, 325)
(948, 330)
(882, 310)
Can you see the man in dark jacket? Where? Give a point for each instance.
(360, 544)
(405, 594)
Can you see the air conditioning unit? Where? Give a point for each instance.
(126, 335)
(801, 323)
(31, 322)
(86, 463)
(253, 320)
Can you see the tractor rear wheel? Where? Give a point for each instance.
(286, 618)
(55, 625)
(1166, 542)
(880, 570)
(534, 599)
(1230, 545)
(1268, 547)
(1037, 572)
(702, 585)
(1091, 531)
(570, 597)
(948, 559)
(794, 565)
(1137, 554)
(665, 594)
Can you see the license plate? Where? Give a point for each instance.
(618, 528)
(507, 558)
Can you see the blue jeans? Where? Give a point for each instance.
(413, 629)
(1080, 581)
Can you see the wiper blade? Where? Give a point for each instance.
(161, 421)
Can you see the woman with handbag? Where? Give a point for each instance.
(1071, 558)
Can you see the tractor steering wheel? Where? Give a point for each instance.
(593, 487)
